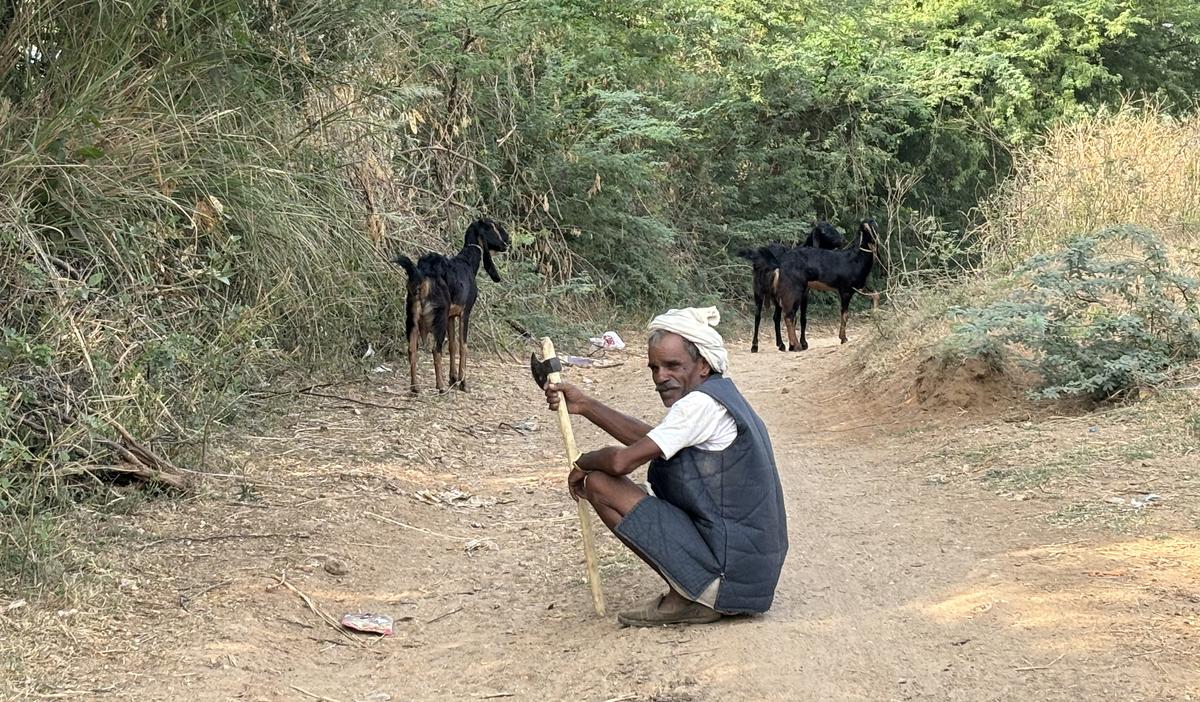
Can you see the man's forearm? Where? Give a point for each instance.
(620, 460)
(604, 460)
(619, 426)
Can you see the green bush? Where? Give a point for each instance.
(1106, 315)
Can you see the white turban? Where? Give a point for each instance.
(696, 325)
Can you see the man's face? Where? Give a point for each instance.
(673, 370)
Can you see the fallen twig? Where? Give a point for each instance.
(313, 695)
(872, 425)
(134, 468)
(222, 537)
(306, 388)
(145, 454)
(322, 614)
(71, 694)
(689, 653)
(443, 616)
(360, 402)
(185, 599)
(331, 642)
(423, 531)
(1040, 667)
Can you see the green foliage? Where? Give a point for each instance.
(992, 75)
(647, 138)
(1107, 315)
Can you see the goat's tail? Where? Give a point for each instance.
(418, 283)
(418, 292)
(414, 275)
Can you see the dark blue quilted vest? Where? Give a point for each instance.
(725, 514)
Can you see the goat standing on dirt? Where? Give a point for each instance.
(844, 271)
(441, 292)
(765, 261)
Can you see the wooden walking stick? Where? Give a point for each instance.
(549, 370)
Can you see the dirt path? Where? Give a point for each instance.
(898, 585)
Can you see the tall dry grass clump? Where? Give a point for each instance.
(194, 197)
(1137, 165)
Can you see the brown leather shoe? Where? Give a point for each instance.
(652, 614)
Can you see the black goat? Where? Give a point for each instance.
(844, 271)
(765, 261)
(825, 236)
(441, 292)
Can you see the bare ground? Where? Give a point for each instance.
(923, 563)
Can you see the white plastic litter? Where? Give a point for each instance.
(608, 340)
(1144, 501)
(1139, 502)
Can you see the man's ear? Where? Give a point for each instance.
(705, 369)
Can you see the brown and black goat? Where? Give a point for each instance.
(844, 272)
(441, 292)
(766, 259)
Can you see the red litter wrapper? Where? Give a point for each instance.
(370, 623)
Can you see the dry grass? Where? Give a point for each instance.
(1135, 166)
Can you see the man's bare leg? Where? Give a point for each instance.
(613, 498)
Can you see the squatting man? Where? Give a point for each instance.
(713, 525)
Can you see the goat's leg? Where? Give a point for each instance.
(414, 339)
(462, 350)
(778, 314)
(758, 304)
(803, 316)
(437, 371)
(794, 344)
(439, 340)
(451, 342)
(846, 296)
(786, 307)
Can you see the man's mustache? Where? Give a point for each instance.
(664, 387)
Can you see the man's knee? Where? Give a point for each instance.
(616, 493)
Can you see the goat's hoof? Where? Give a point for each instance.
(781, 348)
(414, 391)
(843, 339)
(461, 385)
(753, 349)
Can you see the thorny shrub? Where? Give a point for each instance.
(1104, 316)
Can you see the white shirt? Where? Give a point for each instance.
(694, 420)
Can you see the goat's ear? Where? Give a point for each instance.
(489, 266)
(474, 233)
